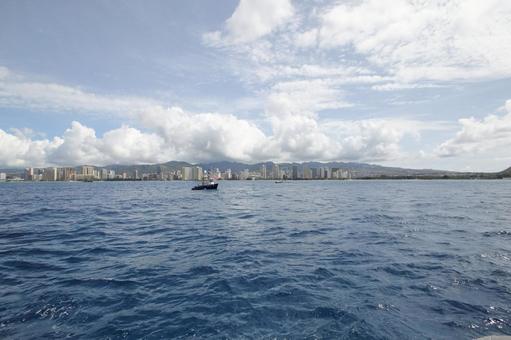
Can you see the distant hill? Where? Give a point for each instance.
(506, 173)
(13, 171)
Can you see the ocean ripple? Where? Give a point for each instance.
(311, 259)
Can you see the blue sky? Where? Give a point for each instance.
(406, 83)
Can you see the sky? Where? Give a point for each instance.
(411, 83)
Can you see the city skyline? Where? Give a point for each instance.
(395, 83)
(185, 173)
(175, 170)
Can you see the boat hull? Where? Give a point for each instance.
(206, 187)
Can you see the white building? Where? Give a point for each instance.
(307, 173)
(186, 173)
(87, 171)
(227, 174)
(244, 174)
(263, 171)
(197, 173)
(50, 174)
(3, 176)
(275, 172)
(104, 174)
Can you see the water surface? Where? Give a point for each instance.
(304, 259)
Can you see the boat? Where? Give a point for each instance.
(279, 181)
(206, 185)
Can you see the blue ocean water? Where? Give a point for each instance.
(304, 259)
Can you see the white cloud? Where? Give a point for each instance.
(421, 40)
(18, 150)
(407, 44)
(370, 139)
(79, 145)
(403, 86)
(16, 91)
(297, 97)
(211, 137)
(206, 136)
(252, 20)
(477, 135)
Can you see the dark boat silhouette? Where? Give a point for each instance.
(206, 185)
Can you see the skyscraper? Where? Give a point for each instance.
(197, 173)
(294, 174)
(307, 174)
(263, 171)
(186, 173)
(104, 174)
(275, 171)
(87, 171)
(50, 174)
(29, 174)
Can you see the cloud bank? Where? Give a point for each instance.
(179, 135)
(479, 135)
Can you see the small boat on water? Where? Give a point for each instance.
(279, 181)
(206, 185)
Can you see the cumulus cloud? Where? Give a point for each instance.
(252, 20)
(80, 145)
(206, 136)
(178, 135)
(17, 150)
(477, 135)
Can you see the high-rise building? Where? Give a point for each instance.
(104, 174)
(67, 174)
(245, 174)
(217, 174)
(228, 174)
(307, 174)
(29, 174)
(3, 176)
(50, 174)
(197, 173)
(315, 173)
(275, 172)
(186, 173)
(263, 171)
(87, 171)
(321, 173)
(294, 174)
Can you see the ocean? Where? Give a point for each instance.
(256, 259)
